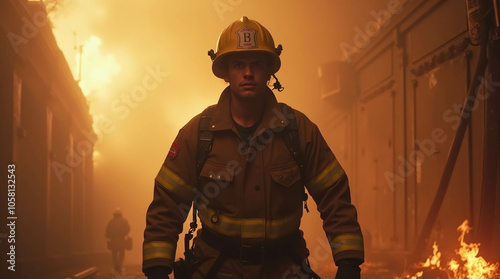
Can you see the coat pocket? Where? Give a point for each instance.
(286, 175)
(217, 171)
(216, 181)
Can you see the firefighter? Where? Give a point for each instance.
(249, 185)
(116, 234)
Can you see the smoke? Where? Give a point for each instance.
(52, 5)
(146, 72)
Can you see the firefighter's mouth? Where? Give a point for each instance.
(248, 85)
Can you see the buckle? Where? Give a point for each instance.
(251, 254)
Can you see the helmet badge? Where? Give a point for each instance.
(247, 37)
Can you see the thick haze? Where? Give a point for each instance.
(137, 114)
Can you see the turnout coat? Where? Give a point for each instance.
(249, 194)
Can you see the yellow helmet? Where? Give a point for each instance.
(244, 35)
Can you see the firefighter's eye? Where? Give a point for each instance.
(237, 65)
(259, 64)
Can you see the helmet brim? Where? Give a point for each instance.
(219, 66)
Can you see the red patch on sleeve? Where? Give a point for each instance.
(174, 150)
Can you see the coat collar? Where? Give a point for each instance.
(272, 118)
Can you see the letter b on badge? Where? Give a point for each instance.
(246, 37)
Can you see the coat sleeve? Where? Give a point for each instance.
(174, 189)
(327, 183)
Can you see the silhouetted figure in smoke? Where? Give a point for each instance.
(116, 233)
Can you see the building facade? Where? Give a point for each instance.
(47, 136)
(399, 96)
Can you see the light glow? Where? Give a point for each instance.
(98, 69)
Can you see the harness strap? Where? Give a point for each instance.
(292, 141)
(205, 139)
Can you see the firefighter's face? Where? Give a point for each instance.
(248, 74)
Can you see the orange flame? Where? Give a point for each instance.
(469, 266)
(434, 260)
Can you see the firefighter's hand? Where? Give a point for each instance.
(158, 272)
(348, 269)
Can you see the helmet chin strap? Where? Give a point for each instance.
(277, 84)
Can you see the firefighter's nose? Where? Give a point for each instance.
(248, 71)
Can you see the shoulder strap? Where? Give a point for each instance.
(292, 141)
(291, 136)
(205, 139)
